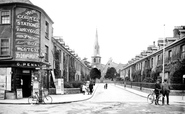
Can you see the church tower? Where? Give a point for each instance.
(96, 59)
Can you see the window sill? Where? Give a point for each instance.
(6, 24)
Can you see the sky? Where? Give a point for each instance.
(125, 27)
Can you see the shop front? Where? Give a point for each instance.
(16, 79)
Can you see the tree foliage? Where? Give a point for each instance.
(95, 73)
(111, 73)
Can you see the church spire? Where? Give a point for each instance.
(96, 59)
(96, 45)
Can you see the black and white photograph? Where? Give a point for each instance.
(92, 57)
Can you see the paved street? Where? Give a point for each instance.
(113, 100)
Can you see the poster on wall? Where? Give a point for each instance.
(3, 73)
(9, 79)
(2, 94)
(5, 79)
(62, 86)
(59, 86)
(19, 93)
(35, 85)
(27, 34)
(35, 88)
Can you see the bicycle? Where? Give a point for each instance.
(34, 99)
(152, 97)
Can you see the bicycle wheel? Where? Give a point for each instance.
(160, 99)
(48, 99)
(32, 100)
(150, 98)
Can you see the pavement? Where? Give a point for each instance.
(57, 99)
(172, 99)
(68, 98)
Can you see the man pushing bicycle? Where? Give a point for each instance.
(157, 91)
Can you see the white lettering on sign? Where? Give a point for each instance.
(28, 18)
(29, 30)
(27, 49)
(30, 12)
(20, 55)
(29, 42)
(27, 27)
(35, 25)
(28, 64)
(26, 36)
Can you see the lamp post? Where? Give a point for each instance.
(163, 72)
(41, 56)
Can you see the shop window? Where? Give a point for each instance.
(5, 17)
(182, 51)
(46, 53)
(47, 30)
(4, 47)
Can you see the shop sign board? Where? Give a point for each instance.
(59, 86)
(27, 34)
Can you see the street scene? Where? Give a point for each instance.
(92, 57)
(113, 100)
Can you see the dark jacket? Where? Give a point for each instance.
(165, 87)
(157, 88)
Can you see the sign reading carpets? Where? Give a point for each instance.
(27, 35)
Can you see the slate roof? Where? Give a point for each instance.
(15, 1)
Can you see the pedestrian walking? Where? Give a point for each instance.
(91, 87)
(165, 91)
(125, 83)
(105, 86)
(157, 91)
(83, 89)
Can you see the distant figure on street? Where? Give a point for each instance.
(105, 86)
(83, 89)
(157, 91)
(125, 84)
(165, 91)
(91, 87)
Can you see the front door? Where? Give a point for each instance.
(26, 85)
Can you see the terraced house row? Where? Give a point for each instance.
(29, 52)
(148, 66)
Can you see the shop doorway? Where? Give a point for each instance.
(26, 85)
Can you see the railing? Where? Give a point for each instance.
(152, 85)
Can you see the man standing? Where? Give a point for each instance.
(165, 91)
(157, 91)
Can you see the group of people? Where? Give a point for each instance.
(87, 88)
(162, 88)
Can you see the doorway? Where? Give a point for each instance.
(26, 85)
